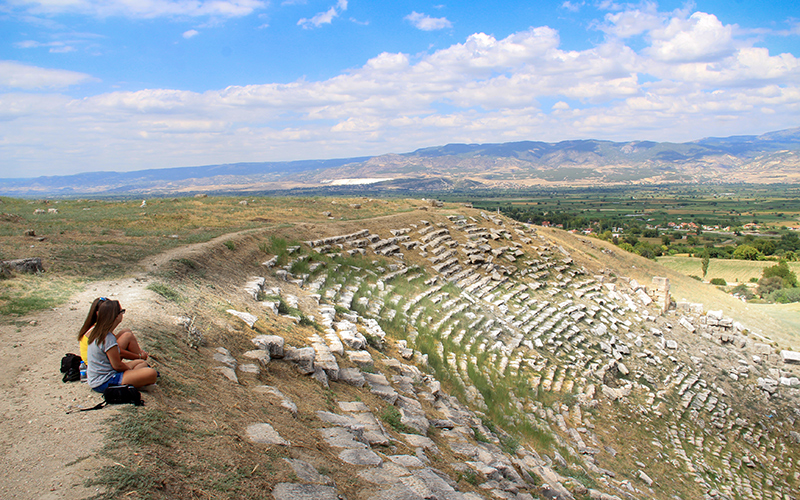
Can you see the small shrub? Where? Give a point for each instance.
(230, 245)
(785, 295)
(479, 437)
(509, 444)
(469, 476)
(391, 416)
(718, 281)
(282, 307)
(165, 291)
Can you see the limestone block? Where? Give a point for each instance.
(360, 457)
(360, 358)
(270, 343)
(274, 391)
(294, 491)
(307, 472)
(302, 357)
(249, 368)
(248, 318)
(265, 434)
(790, 356)
(223, 356)
(258, 355)
(352, 376)
(228, 372)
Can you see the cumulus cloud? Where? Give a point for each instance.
(701, 37)
(632, 22)
(16, 75)
(142, 9)
(483, 89)
(326, 17)
(427, 23)
(189, 34)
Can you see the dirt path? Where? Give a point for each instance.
(46, 453)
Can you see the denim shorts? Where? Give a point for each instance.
(115, 379)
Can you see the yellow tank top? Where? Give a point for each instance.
(85, 348)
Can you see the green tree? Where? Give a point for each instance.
(781, 270)
(746, 252)
(704, 263)
(769, 285)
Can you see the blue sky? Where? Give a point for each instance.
(89, 85)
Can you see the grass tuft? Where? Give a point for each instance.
(165, 291)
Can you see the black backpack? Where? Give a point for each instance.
(117, 395)
(123, 394)
(71, 367)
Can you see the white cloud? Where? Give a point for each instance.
(701, 37)
(16, 75)
(56, 47)
(697, 78)
(142, 8)
(326, 17)
(572, 6)
(189, 34)
(427, 23)
(632, 22)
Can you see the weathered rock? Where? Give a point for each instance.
(248, 318)
(352, 376)
(341, 437)
(417, 441)
(302, 357)
(285, 402)
(224, 357)
(767, 384)
(307, 472)
(258, 355)
(270, 343)
(407, 461)
(249, 368)
(29, 265)
(265, 434)
(294, 491)
(228, 372)
(360, 358)
(355, 456)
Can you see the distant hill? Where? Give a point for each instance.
(773, 157)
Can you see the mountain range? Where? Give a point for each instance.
(769, 158)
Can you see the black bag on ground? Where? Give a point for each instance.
(117, 395)
(123, 394)
(71, 367)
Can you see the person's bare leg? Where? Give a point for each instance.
(127, 341)
(140, 376)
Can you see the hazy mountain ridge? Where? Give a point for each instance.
(767, 158)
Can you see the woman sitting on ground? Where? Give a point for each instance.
(128, 345)
(105, 365)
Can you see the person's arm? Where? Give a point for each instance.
(126, 354)
(115, 359)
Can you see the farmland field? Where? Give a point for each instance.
(732, 271)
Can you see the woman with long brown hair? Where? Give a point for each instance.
(105, 353)
(128, 344)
